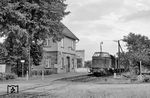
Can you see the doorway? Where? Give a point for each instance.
(68, 64)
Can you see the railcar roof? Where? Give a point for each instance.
(101, 54)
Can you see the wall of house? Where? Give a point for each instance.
(51, 56)
(59, 53)
(50, 45)
(48, 62)
(63, 59)
(67, 52)
(67, 45)
(80, 58)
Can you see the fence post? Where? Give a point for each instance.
(42, 74)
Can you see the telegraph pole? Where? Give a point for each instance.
(29, 66)
(119, 57)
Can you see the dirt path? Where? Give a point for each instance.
(63, 89)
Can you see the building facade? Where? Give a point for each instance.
(60, 55)
(80, 56)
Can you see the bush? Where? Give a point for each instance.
(7, 76)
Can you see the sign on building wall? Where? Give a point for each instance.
(2, 68)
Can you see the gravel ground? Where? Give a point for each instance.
(96, 87)
(63, 89)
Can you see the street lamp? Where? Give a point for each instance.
(22, 61)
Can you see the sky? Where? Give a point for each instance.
(95, 21)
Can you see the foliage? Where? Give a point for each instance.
(138, 48)
(124, 60)
(88, 64)
(3, 53)
(7, 76)
(26, 24)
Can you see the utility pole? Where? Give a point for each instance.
(119, 67)
(29, 66)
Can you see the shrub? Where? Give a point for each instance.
(7, 76)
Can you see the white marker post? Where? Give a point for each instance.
(115, 75)
(140, 77)
(140, 68)
(27, 77)
(42, 74)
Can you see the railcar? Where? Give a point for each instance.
(103, 63)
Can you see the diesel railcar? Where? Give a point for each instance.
(102, 63)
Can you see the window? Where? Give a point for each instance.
(47, 42)
(48, 63)
(72, 45)
(62, 43)
(73, 64)
(62, 62)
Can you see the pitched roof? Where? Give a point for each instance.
(69, 34)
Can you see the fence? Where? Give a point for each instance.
(49, 71)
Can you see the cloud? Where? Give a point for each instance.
(95, 10)
(140, 15)
(93, 21)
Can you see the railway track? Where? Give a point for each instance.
(83, 78)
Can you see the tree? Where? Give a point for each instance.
(3, 53)
(138, 47)
(26, 24)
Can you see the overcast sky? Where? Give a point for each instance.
(93, 21)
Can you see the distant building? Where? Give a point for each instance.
(60, 56)
(80, 55)
(4, 68)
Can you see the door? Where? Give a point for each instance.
(68, 64)
(79, 63)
